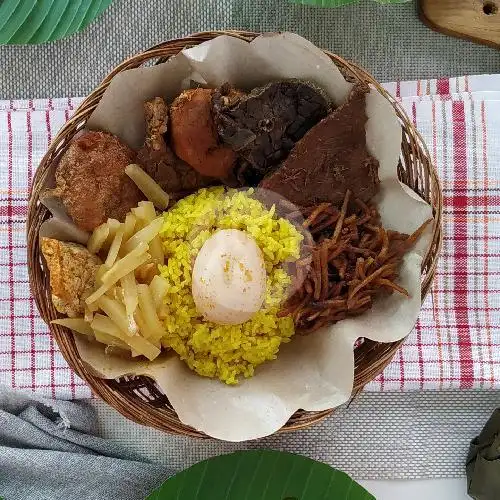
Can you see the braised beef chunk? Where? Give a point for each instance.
(175, 176)
(331, 158)
(263, 126)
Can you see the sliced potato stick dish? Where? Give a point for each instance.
(122, 310)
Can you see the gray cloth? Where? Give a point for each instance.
(50, 450)
(388, 40)
(378, 436)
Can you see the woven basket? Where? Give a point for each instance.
(138, 398)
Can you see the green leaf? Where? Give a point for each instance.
(29, 21)
(260, 475)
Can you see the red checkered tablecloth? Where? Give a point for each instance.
(456, 342)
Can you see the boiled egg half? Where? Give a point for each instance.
(229, 278)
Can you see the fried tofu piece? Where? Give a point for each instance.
(72, 273)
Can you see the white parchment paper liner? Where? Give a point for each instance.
(314, 372)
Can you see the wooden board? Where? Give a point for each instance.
(477, 20)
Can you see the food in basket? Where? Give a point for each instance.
(113, 306)
(330, 159)
(91, 180)
(216, 349)
(147, 185)
(354, 261)
(211, 277)
(229, 278)
(311, 372)
(263, 126)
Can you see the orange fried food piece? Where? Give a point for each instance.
(174, 176)
(91, 180)
(194, 135)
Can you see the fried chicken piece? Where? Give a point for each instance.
(72, 273)
(91, 180)
(175, 176)
(194, 135)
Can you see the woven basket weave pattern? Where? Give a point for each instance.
(138, 398)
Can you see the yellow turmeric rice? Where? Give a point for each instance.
(225, 351)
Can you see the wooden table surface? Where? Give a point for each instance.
(477, 20)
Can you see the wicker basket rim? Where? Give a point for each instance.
(123, 395)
